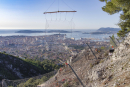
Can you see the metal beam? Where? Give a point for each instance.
(118, 40)
(76, 75)
(58, 12)
(113, 40)
(92, 51)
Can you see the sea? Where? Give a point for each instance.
(76, 33)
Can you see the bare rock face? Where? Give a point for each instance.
(113, 71)
(123, 49)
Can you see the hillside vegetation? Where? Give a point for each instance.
(12, 67)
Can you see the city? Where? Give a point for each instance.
(46, 47)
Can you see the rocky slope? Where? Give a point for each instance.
(112, 71)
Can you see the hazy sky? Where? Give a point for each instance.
(28, 14)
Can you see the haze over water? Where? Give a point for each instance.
(76, 35)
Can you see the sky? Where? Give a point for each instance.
(28, 14)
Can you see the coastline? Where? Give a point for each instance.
(76, 35)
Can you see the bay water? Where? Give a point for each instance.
(76, 33)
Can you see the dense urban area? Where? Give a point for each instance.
(46, 47)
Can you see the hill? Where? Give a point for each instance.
(12, 67)
(108, 29)
(50, 31)
(29, 31)
(15, 68)
(106, 71)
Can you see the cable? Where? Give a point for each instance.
(60, 16)
(71, 27)
(45, 27)
(68, 6)
(73, 16)
(51, 16)
(45, 17)
(65, 15)
(51, 5)
(56, 16)
(58, 5)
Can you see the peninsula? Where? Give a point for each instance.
(50, 31)
(107, 30)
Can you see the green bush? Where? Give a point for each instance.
(102, 48)
(31, 80)
(66, 84)
(33, 83)
(91, 65)
(44, 78)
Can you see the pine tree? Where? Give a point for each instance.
(115, 6)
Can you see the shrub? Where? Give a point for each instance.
(66, 84)
(91, 65)
(44, 78)
(101, 61)
(102, 48)
(31, 80)
(106, 54)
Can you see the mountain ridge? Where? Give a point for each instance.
(108, 29)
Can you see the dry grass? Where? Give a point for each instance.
(107, 80)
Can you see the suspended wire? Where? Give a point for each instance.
(65, 15)
(71, 21)
(73, 16)
(51, 5)
(60, 16)
(46, 26)
(58, 5)
(45, 17)
(68, 5)
(71, 28)
(73, 25)
(51, 16)
(56, 16)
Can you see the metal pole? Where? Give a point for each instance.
(91, 50)
(113, 40)
(118, 40)
(122, 37)
(76, 76)
(3, 83)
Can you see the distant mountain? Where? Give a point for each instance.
(58, 31)
(29, 31)
(50, 31)
(108, 29)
